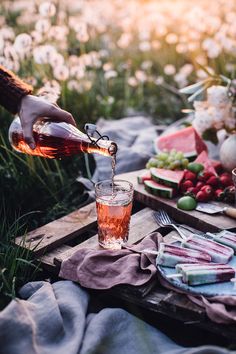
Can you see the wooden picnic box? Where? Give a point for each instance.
(56, 241)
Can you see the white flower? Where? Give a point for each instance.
(156, 44)
(202, 121)
(181, 48)
(217, 96)
(77, 71)
(44, 53)
(159, 80)
(110, 74)
(61, 73)
(23, 43)
(186, 69)
(124, 40)
(171, 38)
(47, 9)
(181, 80)
(169, 69)
(200, 105)
(132, 81)
(141, 76)
(144, 46)
(56, 59)
(146, 65)
(107, 66)
(42, 26)
(73, 85)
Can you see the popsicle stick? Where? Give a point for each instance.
(230, 212)
(176, 275)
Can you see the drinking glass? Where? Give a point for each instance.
(234, 181)
(114, 205)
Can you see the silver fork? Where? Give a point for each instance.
(163, 219)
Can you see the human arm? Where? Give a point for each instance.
(15, 96)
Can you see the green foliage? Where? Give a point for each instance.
(16, 264)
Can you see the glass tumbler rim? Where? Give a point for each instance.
(100, 183)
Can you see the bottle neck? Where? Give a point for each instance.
(103, 147)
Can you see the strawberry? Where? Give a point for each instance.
(226, 181)
(202, 196)
(189, 175)
(219, 194)
(227, 174)
(192, 191)
(203, 176)
(208, 190)
(199, 185)
(185, 185)
(213, 181)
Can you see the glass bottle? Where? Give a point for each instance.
(55, 140)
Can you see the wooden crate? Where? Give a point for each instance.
(58, 240)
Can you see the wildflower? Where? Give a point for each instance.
(125, 40)
(61, 73)
(144, 46)
(159, 80)
(22, 43)
(107, 66)
(43, 54)
(110, 74)
(171, 38)
(42, 26)
(47, 9)
(132, 81)
(169, 69)
(141, 76)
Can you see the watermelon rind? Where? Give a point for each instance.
(157, 176)
(159, 190)
(145, 176)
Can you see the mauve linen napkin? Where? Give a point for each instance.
(220, 309)
(103, 269)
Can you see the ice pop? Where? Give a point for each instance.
(219, 253)
(225, 237)
(199, 274)
(170, 255)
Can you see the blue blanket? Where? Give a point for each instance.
(55, 319)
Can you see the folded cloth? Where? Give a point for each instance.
(220, 309)
(103, 269)
(57, 318)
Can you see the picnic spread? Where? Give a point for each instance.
(143, 271)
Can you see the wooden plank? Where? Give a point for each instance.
(57, 232)
(196, 219)
(173, 305)
(47, 260)
(141, 224)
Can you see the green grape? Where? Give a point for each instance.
(179, 155)
(172, 166)
(173, 152)
(160, 164)
(185, 162)
(163, 156)
(153, 162)
(177, 164)
(171, 159)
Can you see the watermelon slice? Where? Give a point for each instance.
(167, 177)
(206, 162)
(159, 190)
(145, 176)
(186, 140)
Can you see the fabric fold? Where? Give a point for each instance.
(103, 269)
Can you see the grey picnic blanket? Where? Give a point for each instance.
(55, 319)
(134, 136)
